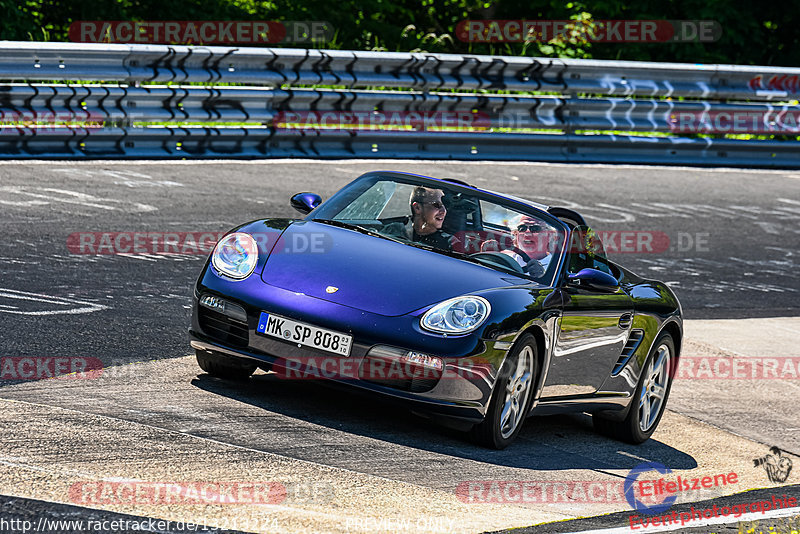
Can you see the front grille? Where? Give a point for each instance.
(223, 328)
(395, 375)
(630, 347)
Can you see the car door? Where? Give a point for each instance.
(594, 325)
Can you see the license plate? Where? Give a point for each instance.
(273, 325)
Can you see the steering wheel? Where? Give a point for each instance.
(532, 266)
(516, 250)
(499, 258)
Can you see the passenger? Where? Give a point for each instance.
(427, 216)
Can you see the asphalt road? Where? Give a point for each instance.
(745, 223)
(349, 463)
(734, 243)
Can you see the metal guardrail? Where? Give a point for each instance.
(139, 103)
(261, 106)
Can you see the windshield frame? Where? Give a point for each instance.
(330, 208)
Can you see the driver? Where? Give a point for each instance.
(531, 237)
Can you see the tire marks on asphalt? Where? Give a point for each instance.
(24, 303)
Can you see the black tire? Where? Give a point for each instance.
(223, 366)
(492, 432)
(630, 429)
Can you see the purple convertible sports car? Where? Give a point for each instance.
(469, 305)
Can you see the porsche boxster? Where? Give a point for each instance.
(468, 305)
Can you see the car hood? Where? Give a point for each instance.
(370, 273)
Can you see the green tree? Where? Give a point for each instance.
(752, 33)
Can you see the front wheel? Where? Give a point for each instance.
(511, 397)
(650, 397)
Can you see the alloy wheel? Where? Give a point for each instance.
(654, 388)
(516, 392)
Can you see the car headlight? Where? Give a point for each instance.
(235, 255)
(456, 316)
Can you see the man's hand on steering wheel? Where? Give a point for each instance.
(532, 266)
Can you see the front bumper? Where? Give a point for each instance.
(462, 389)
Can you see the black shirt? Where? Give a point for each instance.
(437, 239)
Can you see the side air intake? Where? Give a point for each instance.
(630, 347)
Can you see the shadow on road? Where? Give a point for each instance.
(545, 443)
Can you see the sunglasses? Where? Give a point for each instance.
(528, 228)
(436, 204)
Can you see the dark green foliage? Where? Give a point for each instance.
(765, 33)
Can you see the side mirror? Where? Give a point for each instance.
(593, 279)
(305, 202)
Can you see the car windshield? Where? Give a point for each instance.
(458, 221)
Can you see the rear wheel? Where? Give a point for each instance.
(511, 397)
(650, 398)
(223, 366)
